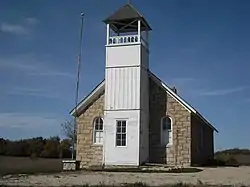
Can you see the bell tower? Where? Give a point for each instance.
(126, 108)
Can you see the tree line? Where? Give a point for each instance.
(234, 151)
(36, 147)
(40, 147)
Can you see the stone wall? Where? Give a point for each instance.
(87, 153)
(157, 109)
(202, 141)
(186, 148)
(161, 104)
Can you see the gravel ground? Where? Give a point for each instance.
(215, 176)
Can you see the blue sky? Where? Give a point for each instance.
(201, 47)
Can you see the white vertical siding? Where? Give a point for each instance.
(123, 88)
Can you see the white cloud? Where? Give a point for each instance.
(37, 92)
(31, 20)
(24, 120)
(13, 28)
(30, 64)
(52, 73)
(21, 28)
(192, 86)
(221, 92)
(45, 82)
(23, 63)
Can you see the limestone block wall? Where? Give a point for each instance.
(88, 153)
(157, 109)
(186, 148)
(161, 104)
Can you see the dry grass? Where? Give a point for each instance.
(24, 165)
(212, 177)
(143, 185)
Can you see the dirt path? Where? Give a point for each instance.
(226, 176)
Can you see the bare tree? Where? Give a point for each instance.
(68, 130)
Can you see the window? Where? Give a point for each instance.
(166, 130)
(98, 131)
(121, 132)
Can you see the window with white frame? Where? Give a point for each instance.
(121, 132)
(98, 131)
(166, 130)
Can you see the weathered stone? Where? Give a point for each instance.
(186, 148)
(181, 120)
(202, 143)
(88, 154)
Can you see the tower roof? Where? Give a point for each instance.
(126, 15)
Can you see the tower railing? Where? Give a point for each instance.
(127, 39)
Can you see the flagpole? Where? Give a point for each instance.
(77, 83)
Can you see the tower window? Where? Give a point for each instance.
(121, 133)
(98, 131)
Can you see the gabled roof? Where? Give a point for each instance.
(89, 98)
(125, 12)
(100, 88)
(180, 100)
(126, 15)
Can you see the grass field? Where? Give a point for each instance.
(24, 165)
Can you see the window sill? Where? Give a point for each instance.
(120, 146)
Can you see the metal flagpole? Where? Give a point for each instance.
(77, 83)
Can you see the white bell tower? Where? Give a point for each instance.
(126, 109)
